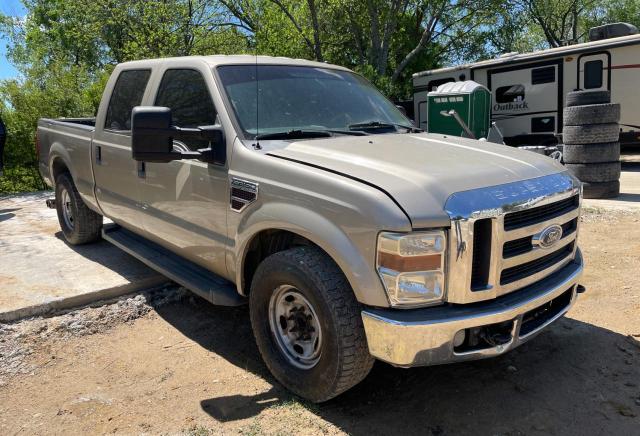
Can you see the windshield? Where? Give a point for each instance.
(290, 98)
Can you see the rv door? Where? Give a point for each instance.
(593, 71)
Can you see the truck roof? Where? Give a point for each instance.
(510, 58)
(216, 60)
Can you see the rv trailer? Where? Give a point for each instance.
(528, 89)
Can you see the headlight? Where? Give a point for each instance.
(411, 266)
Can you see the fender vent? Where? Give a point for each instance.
(243, 193)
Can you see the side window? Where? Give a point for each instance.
(433, 85)
(593, 74)
(185, 92)
(127, 93)
(543, 75)
(510, 94)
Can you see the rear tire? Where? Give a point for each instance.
(601, 190)
(591, 153)
(591, 114)
(596, 172)
(300, 298)
(79, 224)
(580, 98)
(591, 134)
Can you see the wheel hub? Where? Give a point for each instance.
(295, 326)
(67, 210)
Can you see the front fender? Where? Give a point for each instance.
(357, 262)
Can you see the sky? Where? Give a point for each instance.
(13, 8)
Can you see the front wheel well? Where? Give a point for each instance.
(263, 245)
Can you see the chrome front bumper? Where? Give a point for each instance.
(426, 336)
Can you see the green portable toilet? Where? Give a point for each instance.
(470, 100)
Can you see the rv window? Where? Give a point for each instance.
(543, 124)
(593, 74)
(433, 85)
(543, 75)
(510, 94)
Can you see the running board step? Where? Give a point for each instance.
(197, 279)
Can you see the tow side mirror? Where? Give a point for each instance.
(152, 135)
(151, 140)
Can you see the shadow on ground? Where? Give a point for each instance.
(111, 257)
(6, 214)
(573, 378)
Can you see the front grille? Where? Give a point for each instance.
(481, 254)
(528, 217)
(517, 247)
(501, 237)
(527, 269)
(524, 245)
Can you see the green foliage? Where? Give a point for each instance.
(65, 49)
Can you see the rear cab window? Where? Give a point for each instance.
(127, 93)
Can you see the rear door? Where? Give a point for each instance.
(593, 71)
(186, 201)
(118, 186)
(527, 101)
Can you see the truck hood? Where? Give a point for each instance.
(420, 171)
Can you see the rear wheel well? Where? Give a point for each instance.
(58, 167)
(263, 245)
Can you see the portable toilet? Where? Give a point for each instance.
(471, 102)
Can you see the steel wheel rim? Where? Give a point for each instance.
(67, 211)
(295, 327)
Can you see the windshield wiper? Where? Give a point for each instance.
(372, 125)
(295, 134)
(348, 132)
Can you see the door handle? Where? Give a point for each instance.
(98, 154)
(141, 170)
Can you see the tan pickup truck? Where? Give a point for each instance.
(296, 187)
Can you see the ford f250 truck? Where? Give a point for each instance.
(297, 188)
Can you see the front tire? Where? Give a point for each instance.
(307, 324)
(79, 224)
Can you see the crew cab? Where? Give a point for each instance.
(297, 188)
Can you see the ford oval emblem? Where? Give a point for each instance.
(548, 237)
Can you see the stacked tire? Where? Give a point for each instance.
(590, 135)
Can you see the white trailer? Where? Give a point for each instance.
(528, 90)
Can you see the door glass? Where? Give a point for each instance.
(185, 92)
(593, 74)
(127, 93)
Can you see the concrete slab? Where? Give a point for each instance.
(629, 198)
(41, 273)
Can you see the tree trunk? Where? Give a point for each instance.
(317, 46)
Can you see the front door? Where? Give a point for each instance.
(593, 71)
(186, 201)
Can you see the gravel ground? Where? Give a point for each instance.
(18, 340)
(166, 362)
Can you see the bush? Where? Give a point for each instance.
(20, 179)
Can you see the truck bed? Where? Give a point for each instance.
(68, 140)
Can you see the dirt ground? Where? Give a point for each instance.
(168, 363)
